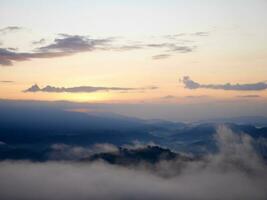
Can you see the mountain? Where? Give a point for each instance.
(27, 131)
(45, 120)
(148, 154)
(242, 120)
(200, 138)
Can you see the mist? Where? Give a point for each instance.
(235, 172)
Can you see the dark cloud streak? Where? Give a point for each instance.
(172, 47)
(64, 46)
(190, 84)
(74, 43)
(7, 57)
(249, 96)
(161, 56)
(83, 89)
(6, 81)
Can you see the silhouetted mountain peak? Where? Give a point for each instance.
(148, 154)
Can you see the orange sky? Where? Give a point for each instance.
(226, 45)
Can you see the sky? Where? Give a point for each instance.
(175, 52)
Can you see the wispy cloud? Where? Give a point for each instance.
(127, 47)
(202, 34)
(193, 34)
(172, 47)
(10, 29)
(7, 57)
(161, 56)
(169, 97)
(190, 84)
(249, 96)
(64, 46)
(83, 89)
(39, 42)
(196, 96)
(6, 81)
(74, 43)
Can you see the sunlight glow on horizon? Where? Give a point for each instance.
(232, 51)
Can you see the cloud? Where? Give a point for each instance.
(190, 84)
(68, 152)
(249, 96)
(128, 47)
(179, 35)
(65, 45)
(161, 56)
(172, 47)
(39, 42)
(196, 96)
(169, 97)
(6, 81)
(74, 43)
(202, 34)
(83, 89)
(136, 144)
(236, 151)
(104, 147)
(182, 49)
(7, 57)
(169, 47)
(175, 36)
(10, 29)
(235, 172)
(12, 49)
(68, 45)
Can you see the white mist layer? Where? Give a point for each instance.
(236, 172)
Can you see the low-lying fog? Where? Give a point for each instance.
(235, 172)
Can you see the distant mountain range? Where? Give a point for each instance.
(27, 131)
(252, 120)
